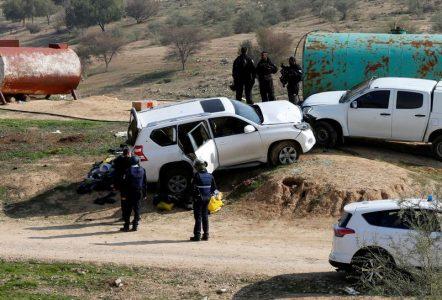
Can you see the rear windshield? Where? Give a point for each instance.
(343, 221)
(132, 131)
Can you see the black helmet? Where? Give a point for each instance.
(200, 165)
(134, 160)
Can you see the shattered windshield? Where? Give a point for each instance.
(355, 91)
(246, 111)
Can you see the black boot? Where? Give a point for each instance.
(205, 237)
(135, 228)
(125, 228)
(195, 238)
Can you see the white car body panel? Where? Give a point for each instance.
(280, 118)
(399, 243)
(414, 125)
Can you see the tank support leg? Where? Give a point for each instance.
(74, 95)
(2, 99)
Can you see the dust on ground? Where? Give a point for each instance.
(100, 108)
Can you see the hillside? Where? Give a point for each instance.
(141, 69)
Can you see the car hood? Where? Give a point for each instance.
(326, 98)
(279, 112)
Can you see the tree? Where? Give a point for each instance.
(13, 10)
(344, 6)
(142, 10)
(86, 13)
(104, 46)
(183, 42)
(45, 8)
(278, 45)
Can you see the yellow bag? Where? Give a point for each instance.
(165, 206)
(215, 203)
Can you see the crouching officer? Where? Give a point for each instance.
(135, 183)
(204, 187)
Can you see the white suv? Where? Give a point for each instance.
(386, 228)
(225, 133)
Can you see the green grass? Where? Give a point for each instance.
(29, 280)
(34, 139)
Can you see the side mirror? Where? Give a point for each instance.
(249, 129)
(354, 104)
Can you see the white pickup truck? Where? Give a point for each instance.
(400, 109)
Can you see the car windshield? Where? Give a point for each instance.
(247, 112)
(355, 91)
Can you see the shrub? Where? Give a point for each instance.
(33, 28)
(277, 44)
(330, 13)
(344, 7)
(214, 11)
(142, 10)
(248, 21)
(437, 22)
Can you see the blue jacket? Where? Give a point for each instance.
(204, 185)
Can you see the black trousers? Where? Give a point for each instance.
(201, 214)
(293, 94)
(267, 90)
(244, 87)
(132, 204)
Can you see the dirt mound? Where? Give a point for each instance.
(72, 139)
(323, 184)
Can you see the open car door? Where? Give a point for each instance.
(204, 146)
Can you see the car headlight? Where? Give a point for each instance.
(306, 110)
(302, 126)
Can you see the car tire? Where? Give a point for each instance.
(176, 181)
(325, 134)
(437, 148)
(284, 153)
(371, 267)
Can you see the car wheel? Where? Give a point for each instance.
(176, 181)
(371, 267)
(284, 153)
(437, 148)
(325, 134)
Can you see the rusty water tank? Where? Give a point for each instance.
(38, 71)
(339, 61)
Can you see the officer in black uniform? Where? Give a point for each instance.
(136, 185)
(121, 164)
(264, 69)
(204, 187)
(243, 74)
(291, 76)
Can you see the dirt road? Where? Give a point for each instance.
(267, 247)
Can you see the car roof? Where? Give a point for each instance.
(391, 204)
(179, 110)
(402, 83)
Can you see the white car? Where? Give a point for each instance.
(386, 228)
(401, 109)
(225, 133)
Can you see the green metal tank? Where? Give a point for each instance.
(339, 61)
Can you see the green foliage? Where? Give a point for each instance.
(248, 21)
(344, 7)
(86, 13)
(214, 11)
(13, 10)
(103, 46)
(437, 22)
(330, 13)
(183, 41)
(33, 28)
(142, 10)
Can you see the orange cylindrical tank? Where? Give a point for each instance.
(39, 71)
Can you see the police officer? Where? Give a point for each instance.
(204, 187)
(264, 69)
(135, 183)
(291, 76)
(243, 74)
(121, 164)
